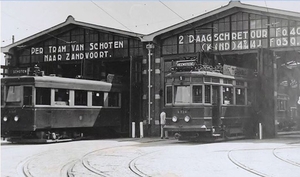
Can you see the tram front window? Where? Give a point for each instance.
(197, 94)
(182, 94)
(13, 95)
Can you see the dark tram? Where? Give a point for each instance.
(202, 101)
(50, 108)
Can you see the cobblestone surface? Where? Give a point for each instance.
(154, 157)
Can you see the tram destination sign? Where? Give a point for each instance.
(77, 51)
(18, 71)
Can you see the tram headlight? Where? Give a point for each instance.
(16, 118)
(187, 118)
(174, 119)
(5, 119)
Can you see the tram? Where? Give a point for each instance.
(50, 108)
(205, 102)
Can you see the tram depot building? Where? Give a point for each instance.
(265, 41)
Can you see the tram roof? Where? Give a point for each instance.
(205, 73)
(64, 83)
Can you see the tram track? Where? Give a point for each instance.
(255, 171)
(68, 169)
(133, 167)
(23, 168)
(243, 166)
(297, 164)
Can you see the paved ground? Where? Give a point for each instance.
(154, 157)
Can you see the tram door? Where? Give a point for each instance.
(216, 105)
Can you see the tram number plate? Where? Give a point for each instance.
(182, 111)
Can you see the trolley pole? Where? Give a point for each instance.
(149, 47)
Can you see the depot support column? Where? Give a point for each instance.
(149, 47)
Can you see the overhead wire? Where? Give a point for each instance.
(176, 14)
(111, 16)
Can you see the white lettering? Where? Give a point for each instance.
(121, 44)
(245, 44)
(198, 39)
(221, 46)
(298, 30)
(216, 37)
(293, 41)
(245, 34)
(54, 49)
(258, 34)
(227, 46)
(292, 32)
(233, 45)
(240, 45)
(278, 32)
(252, 34)
(233, 36)
(191, 38)
(91, 46)
(221, 36)
(264, 33)
(227, 36)
(272, 42)
(284, 32)
(180, 40)
(37, 50)
(240, 35)
(252, 44)
(278, 42)
(284, 41)
(77, 47)
(46, 58)
(203, 38)
(209, 37)
(67, 56)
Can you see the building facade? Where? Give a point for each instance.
(236, 34)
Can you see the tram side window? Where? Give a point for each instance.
(43, 96)
(98, 98)
(197, 94)
(80, 97)
(13, 95)
(240, 96)
(27, 96)
(281, 105)
(182, 94)
(113, 99)
(61, 97)
(227, 95)
(207, 94)
(169, 95)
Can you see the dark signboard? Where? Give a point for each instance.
(18, 71)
